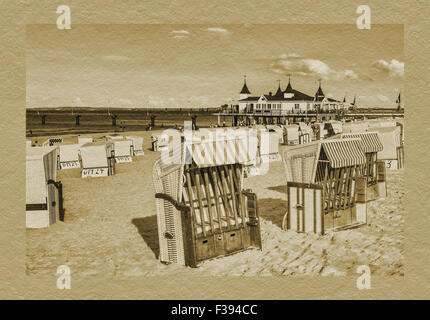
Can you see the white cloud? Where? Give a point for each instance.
(288, 63)
(115, 58)
(288, 55)
(180, 32)
(218, 30)
(382, 98)
(394, 68)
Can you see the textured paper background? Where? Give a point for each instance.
(15, 15)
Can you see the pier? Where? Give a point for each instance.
(282, 117)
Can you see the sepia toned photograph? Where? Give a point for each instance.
(245, 150)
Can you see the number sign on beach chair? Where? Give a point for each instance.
(98, 159)
(69, 156)
(202, 210)
(325, 188)
(123, 150)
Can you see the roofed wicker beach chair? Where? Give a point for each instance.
(305, 133)
(333, 127)
(374, 169)
(325, 188)
(291, 134)
(393, 151)
(44, 196)
(202, 210)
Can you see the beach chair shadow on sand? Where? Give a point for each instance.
(272, 210)
(147, 228)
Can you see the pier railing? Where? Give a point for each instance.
(310, 113)
(277, 112)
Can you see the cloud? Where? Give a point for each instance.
(382, 98)
(394, 68)
(217, 30)
(288, 55)
(115, 58)
(289, 63)
(180, 32)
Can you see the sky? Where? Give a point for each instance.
(204, 65)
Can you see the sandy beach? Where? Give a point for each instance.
(110, 228)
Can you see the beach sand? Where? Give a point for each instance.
(110, 229)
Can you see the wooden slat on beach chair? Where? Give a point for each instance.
(224, 192)
(191, 195)
(238, 182)
(218, 198)
(233, 194)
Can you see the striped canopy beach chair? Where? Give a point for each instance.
(202, 210)
(325, 188)
(373, 170)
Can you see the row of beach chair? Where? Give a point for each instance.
(203, 210)
(44, 200)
